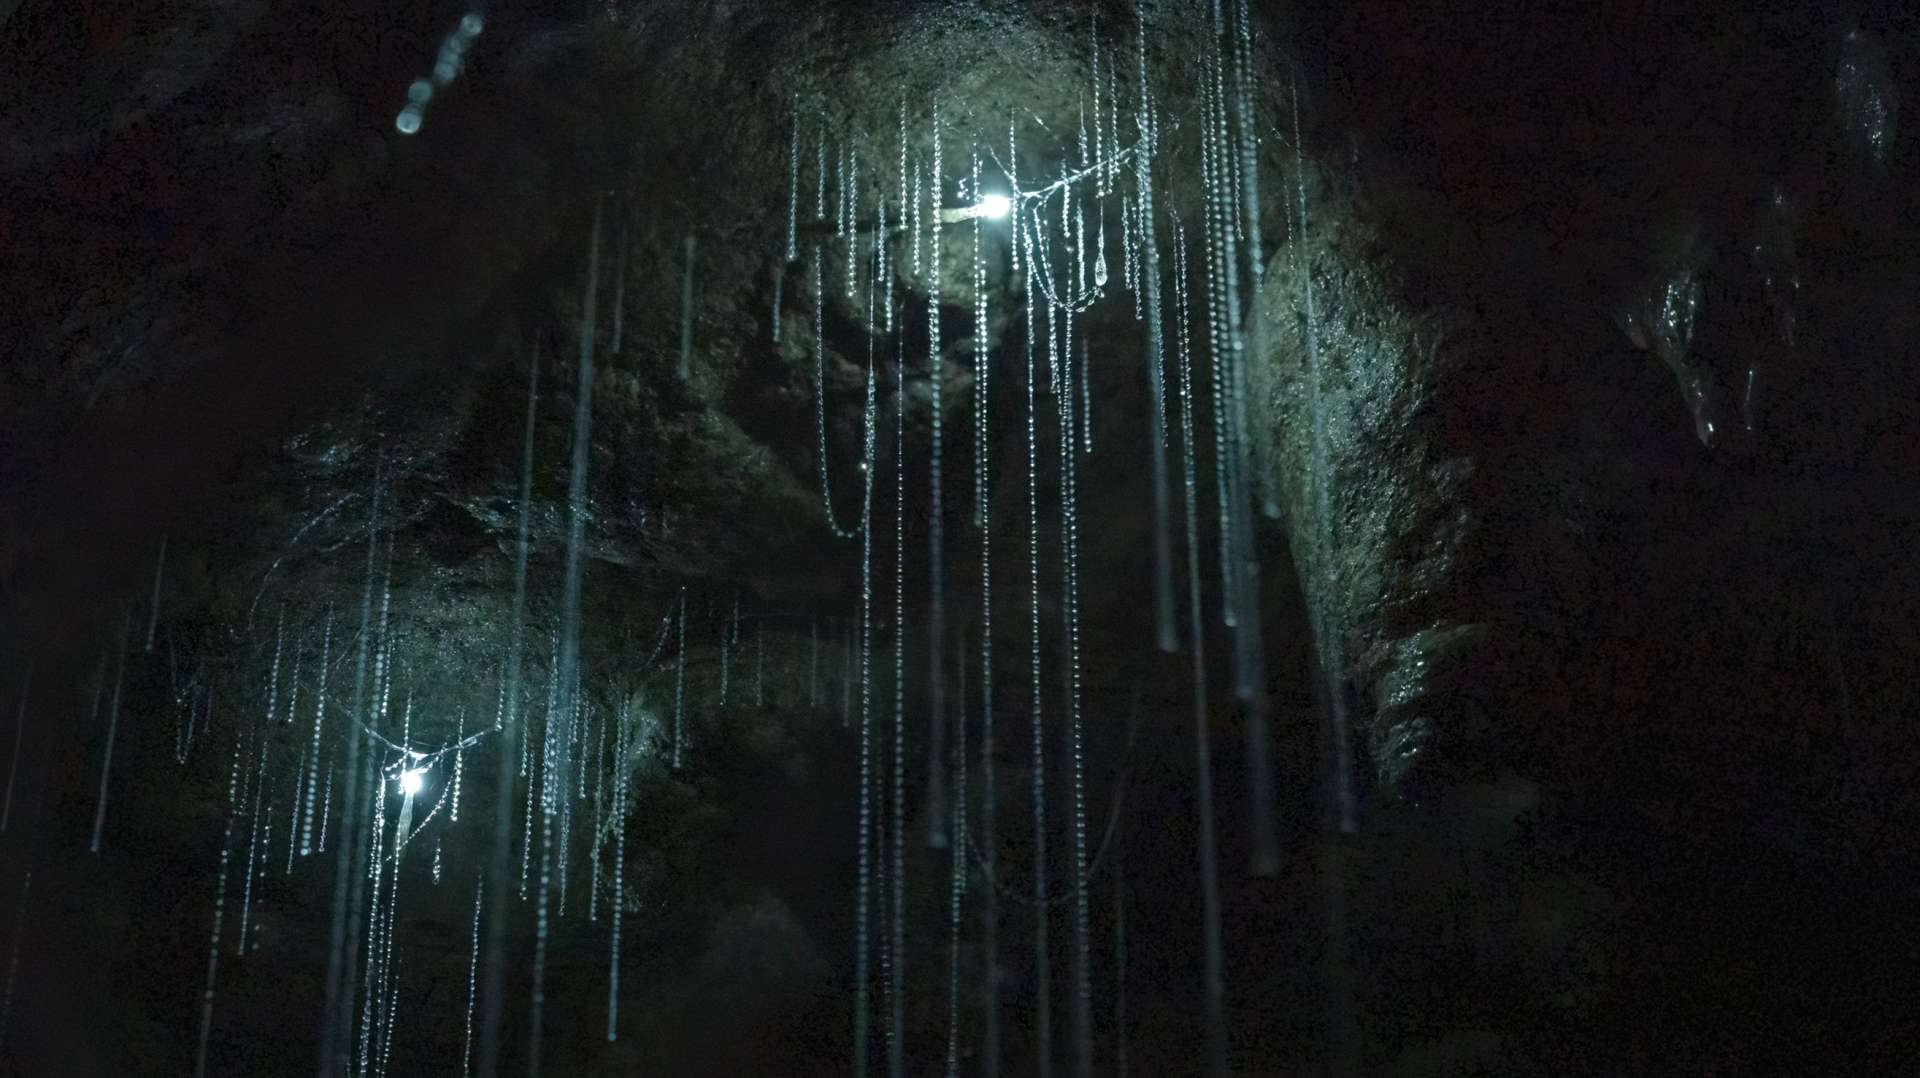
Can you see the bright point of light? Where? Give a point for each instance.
(410, 781)
(408, 121)
(989, 206)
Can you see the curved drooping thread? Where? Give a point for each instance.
(1039, 256)
(820, 396)
(1058, 898)
(417, 759)
(659, 644)
(1066, 180)
(302, 530)
(414, 833)
(1122, 778)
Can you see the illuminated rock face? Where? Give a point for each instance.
(1495, 280)
(1601, 520)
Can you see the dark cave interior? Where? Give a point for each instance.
(1155, 537)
